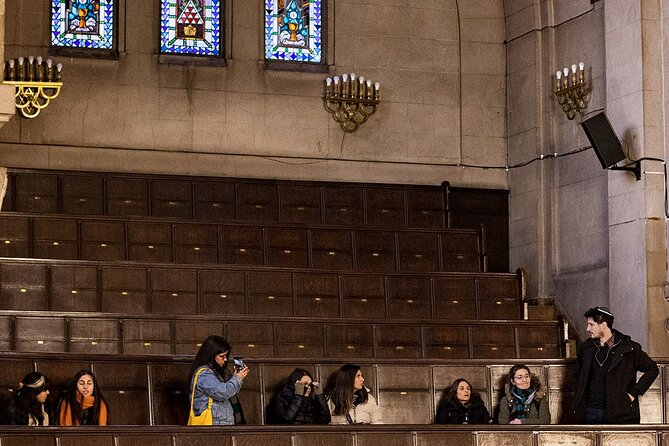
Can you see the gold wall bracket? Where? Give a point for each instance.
(351, 101)
(572, 95)
(36, 82)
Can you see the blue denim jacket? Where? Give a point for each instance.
(209, 385)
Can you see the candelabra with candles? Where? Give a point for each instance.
(572, 92)
(351, 100)
(37, 82)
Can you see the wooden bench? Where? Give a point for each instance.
(257, 337)
(84, 286)
(153, 389)
(297, 246)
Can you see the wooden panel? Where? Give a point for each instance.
(316, 439)
(5, 335)
(251, 339)
(454, 298)
(214, 201)
(385, 207)
(375, 251)
(190, 334)
(145, 440)
(287, 247)
(426, 208)
(350, 341)
(74, 288)
(173, 291)
(493, 342)
(171, 398)
(85, 440)
(150, 242)
(450, 342)
(317, 295)
(384, 439)
(196, 244)
(300, 204)
(34, 334)
(124, 290)
(364, 296)
(23, 287)
(404, 395)
(300, 340)
(222, 292)
(500, 298)
(331, 249)
(83, 195)
(409, 297)
(257, 202)
(203, 439)
(55, 239)
(271, 294)
(142, 337)
(398, 341)
(242, 245)
(36, 193)
(125, 386)
(127, 196)
(171, 198)
(15, 237)
(343, 206)
(94, 336)
(418, 252)
(539, 342)
(102, 240)
(441, 438)
(11, 372)
(463, 263)
(254, 439)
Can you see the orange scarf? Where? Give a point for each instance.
(65, 418)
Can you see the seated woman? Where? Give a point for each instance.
(26, 406)
(301, 401)
(460, 405)
(209, 379)
(523, 401)
(349, 400)
(82, 403)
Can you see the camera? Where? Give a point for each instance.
(238, 363)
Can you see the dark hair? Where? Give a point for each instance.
(514, 369)
(296, 375)
(341, 392)
(206, 356)
(599, 315)
(70, 398)
(452, 392)
(25, 399)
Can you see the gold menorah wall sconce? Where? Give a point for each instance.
(351, 100)
(572, 90)
(37, 82)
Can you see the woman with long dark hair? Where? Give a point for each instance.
(349, 400)
(210, 379)
(26, 406)
(82, 403)
(300, 401)
(523, 401)
(461, 405)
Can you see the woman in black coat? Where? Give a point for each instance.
(460, 405)
(301, 401)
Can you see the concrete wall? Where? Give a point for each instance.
(441, 64)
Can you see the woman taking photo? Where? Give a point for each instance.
(523, 401)
(350, 401)
(300, 401)
(460, 405)
(82, 404)
(210, 380)
(26, 405)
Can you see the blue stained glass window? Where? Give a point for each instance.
(293, 30)
(83, 24)
(191, 27)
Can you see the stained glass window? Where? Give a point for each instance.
(191, 27)
(293, 30)
(83, 24)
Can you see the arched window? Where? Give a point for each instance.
(294, 31)
(83, 24)
(192, 27)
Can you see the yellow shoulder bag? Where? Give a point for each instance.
(205, 418)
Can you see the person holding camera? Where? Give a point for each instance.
(210, 379)
(350, 401)
(301, 401)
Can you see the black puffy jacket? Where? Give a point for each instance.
(451, 411)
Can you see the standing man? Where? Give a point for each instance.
(607, 365)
